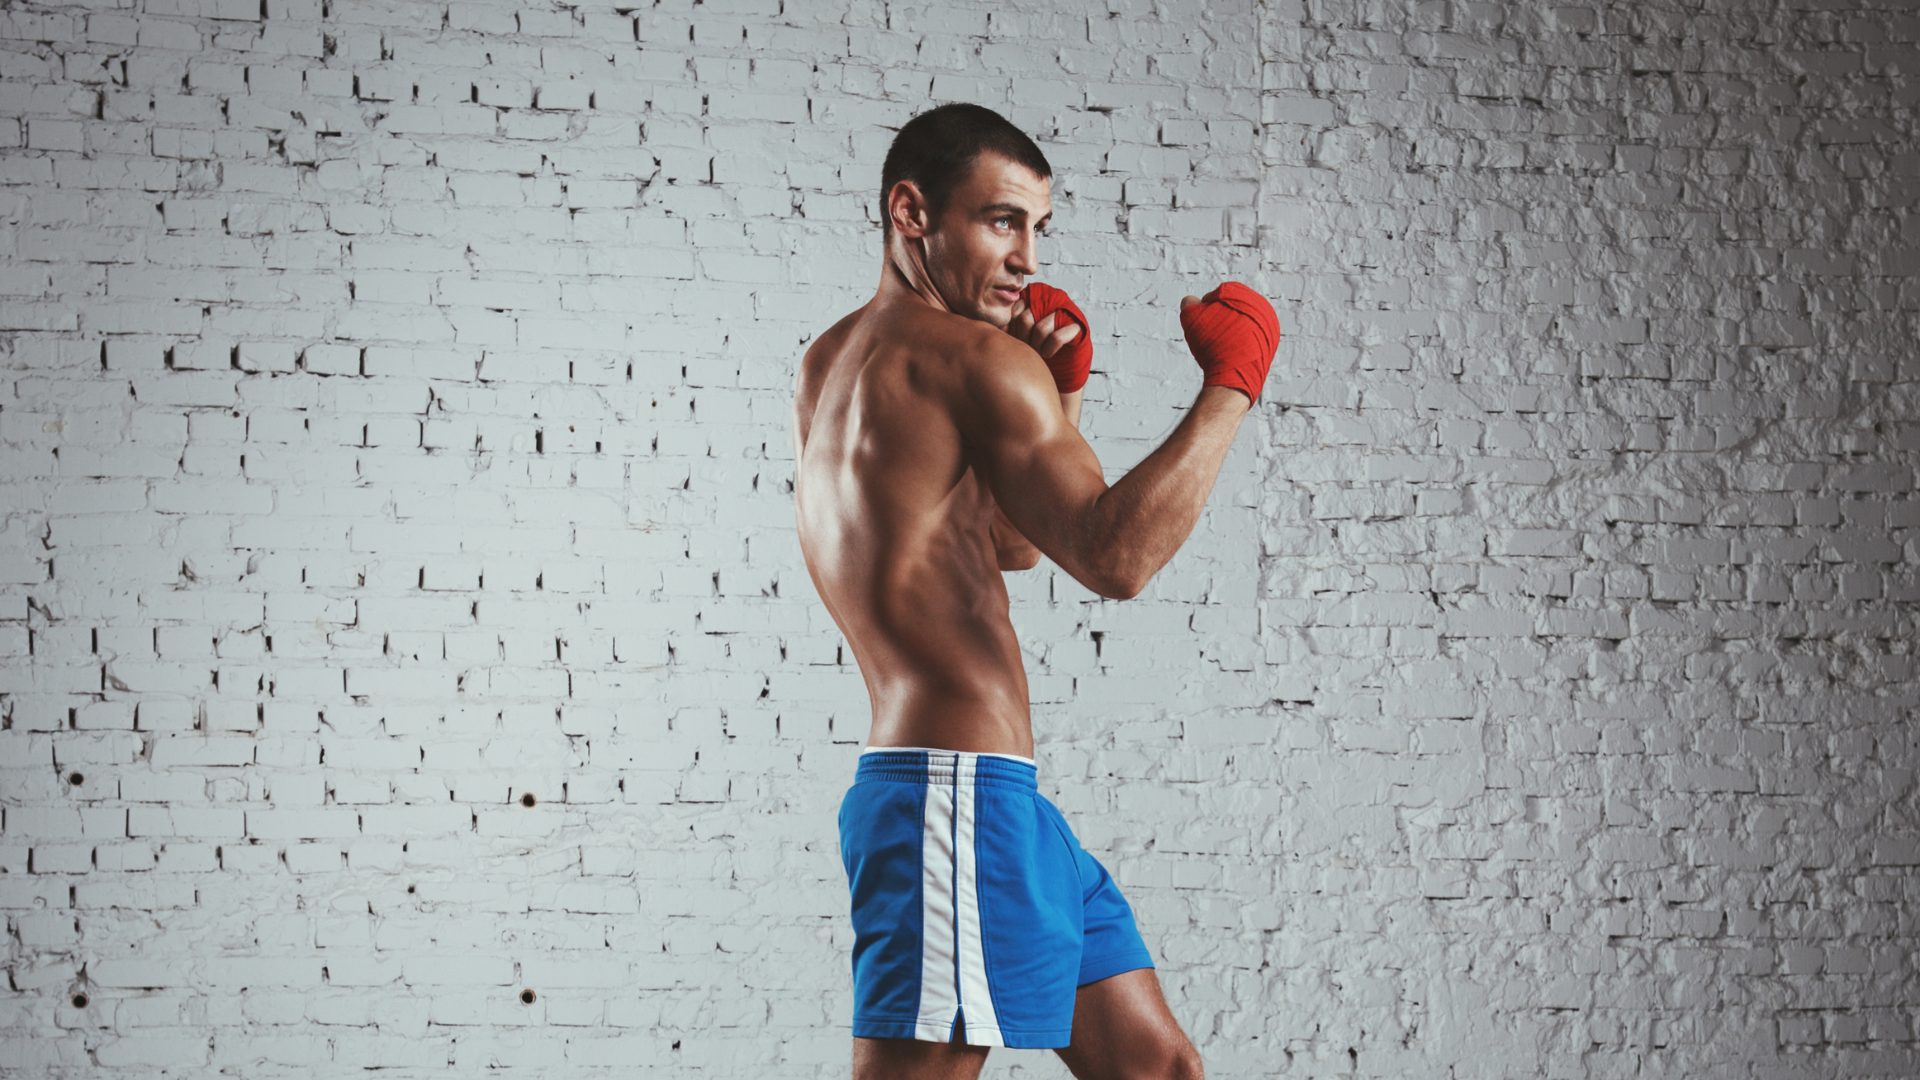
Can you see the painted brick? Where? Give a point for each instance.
(396, 424)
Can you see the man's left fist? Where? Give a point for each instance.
(1067, 345)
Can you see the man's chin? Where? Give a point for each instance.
(994, 315)
(1000, 312)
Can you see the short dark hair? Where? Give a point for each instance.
(937, 149)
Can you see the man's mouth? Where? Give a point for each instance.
(1007, 293)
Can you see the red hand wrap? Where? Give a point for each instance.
(1074, 359)
(1233, 334)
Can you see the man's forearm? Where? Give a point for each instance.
(1140, 521)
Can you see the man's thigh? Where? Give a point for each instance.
(910, 1059)
(1122, 1028)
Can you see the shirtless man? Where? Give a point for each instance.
(936, 447)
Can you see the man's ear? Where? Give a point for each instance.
(907, 209)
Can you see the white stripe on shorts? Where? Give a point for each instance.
(939, 994)
(953, 968)
(976, 1000)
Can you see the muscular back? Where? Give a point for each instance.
(897, 527)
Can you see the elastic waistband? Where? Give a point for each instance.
(936, 750)
(918, 766)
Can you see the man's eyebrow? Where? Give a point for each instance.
(1009, 208)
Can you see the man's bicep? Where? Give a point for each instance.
(1038, 467)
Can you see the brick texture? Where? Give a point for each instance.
(401, 608)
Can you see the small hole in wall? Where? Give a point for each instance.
(76, 779)
(79, 1001)
(527, 799)
(526, 997)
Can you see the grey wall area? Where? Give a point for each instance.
(409, 664)
(1588, 544)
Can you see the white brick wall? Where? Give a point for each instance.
(394, 425)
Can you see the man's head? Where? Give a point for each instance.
(972, 192)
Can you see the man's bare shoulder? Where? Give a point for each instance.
(924, 352)
(959, 352)
(830, 342)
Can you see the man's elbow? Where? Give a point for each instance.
(1119, 584)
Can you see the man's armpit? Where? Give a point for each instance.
(1012, 551)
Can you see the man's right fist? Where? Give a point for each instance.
(1072, 361)
(1233, 334)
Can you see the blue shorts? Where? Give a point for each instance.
(975, 911)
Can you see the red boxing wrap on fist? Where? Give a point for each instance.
(1073, 360)
(1233, 333)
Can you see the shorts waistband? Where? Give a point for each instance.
(917, 765)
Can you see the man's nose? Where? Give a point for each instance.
(1024, 260)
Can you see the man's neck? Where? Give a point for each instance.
(904, 277)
